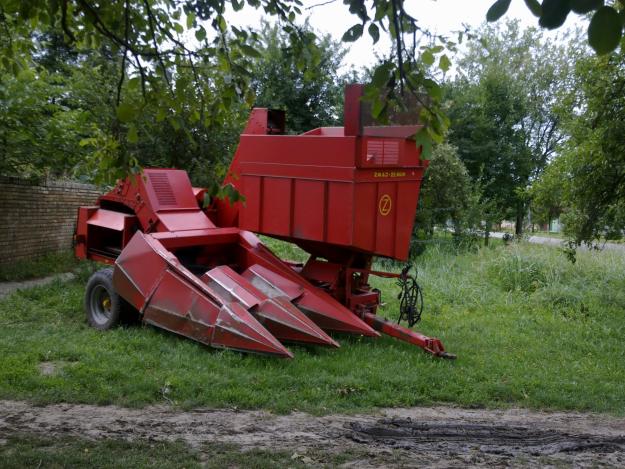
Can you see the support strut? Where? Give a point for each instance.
(429, 344)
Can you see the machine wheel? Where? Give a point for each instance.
(102, 303)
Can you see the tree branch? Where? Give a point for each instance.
(123, 66)
(320, 4)
(64, 25)
(151, 22)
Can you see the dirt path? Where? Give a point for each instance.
(436, 436)
(10, 287)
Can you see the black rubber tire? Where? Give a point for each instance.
(103, 305)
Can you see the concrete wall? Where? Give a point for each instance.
(37, 217)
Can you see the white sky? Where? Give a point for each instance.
(438, 16)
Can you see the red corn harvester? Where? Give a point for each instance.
(342, 194)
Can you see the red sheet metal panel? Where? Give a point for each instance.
(333, 189)
(271, 284)
(276, 206)
(253, 202)
(364, 216)
(228, 284)
(340, 224)
(374, 213)
(185, 220)
(311, 150)
(385, 210)
(169, 189)
(154, 281)
(309, 209)
(138, 270)
(109, 219)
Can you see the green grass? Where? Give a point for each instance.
(24, 450)
(530, 329)
(49, 264)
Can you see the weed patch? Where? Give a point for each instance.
(515, 272)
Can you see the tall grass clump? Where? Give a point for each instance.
(515, 269)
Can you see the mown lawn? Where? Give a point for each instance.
(530, 329)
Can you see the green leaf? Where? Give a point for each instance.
(585, 6)
(605, 30)
(423, 140)
(534, 7)
(190, 19)
(427, 57)
(134, 83)
(378, 107)
(497, 10)
(380, 10)
(434, 90)
(250, 51)
(237, 5)
(222, 24)
(374, 32)
(200, 34)
(444, 63)
(173, 121)
(382, 75)
(178, 28)
(353, 33)
(87, 141)
(132, 135)
(126, 112)
(160, 115)
(554, 13)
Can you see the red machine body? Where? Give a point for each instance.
(343, 194)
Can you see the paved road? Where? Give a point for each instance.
(557, 242)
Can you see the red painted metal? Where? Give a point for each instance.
(343, 194)
(268, 304)
(171, 297)
(430, 345)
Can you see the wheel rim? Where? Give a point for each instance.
(101, 304)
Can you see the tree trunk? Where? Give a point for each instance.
(518, 226)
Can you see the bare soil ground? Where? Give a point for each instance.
(436, 436)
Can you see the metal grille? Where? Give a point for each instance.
(391, 152)
(162, 188)
(383, 152)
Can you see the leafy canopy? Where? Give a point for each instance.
(605, 28)
(504, 105)
(150, 39)
(586, 182)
